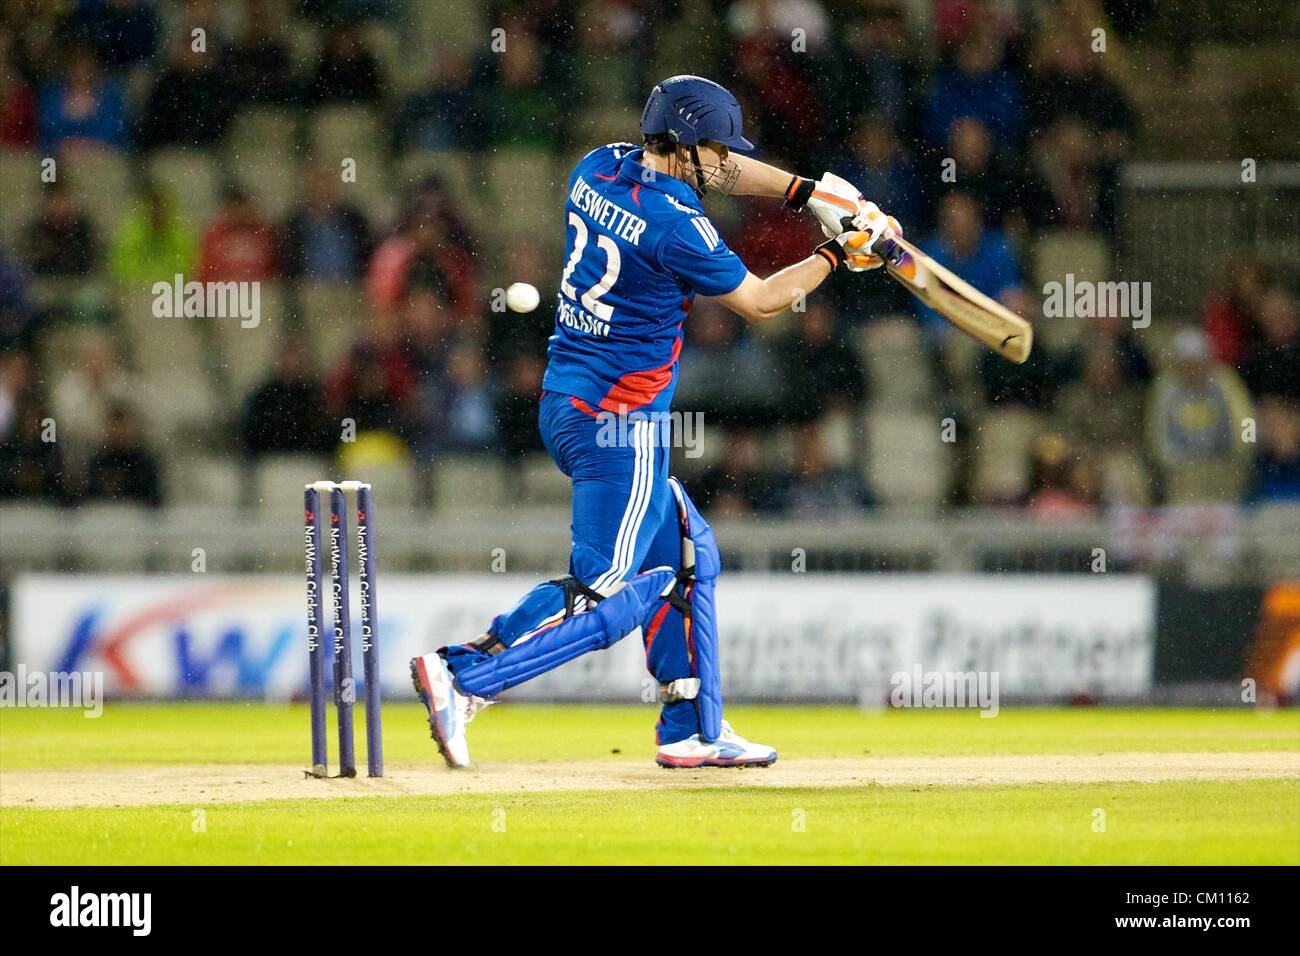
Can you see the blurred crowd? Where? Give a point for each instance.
(1035, 128)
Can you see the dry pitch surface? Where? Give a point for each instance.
(246, 783)
(577, 785)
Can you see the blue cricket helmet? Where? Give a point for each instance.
(688, 109)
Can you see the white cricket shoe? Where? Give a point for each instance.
(450, 711)
(729, 750)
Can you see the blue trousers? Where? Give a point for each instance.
(624, 521)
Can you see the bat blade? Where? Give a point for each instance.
(979, 316)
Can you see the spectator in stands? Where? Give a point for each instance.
(1277, 467)
(429, 250)
(1067, 83)
(979, 255)
(471, 415)
(427, 328)
(18, 124)
(978, 85)
(83, 395)
(1065, 188)
(871, 70)
(768, 73)
(31, 463)
(61, 239)
(1114, 334)
(259, 64)
(191, 102)
(1062, 485)
(16, 376)
(819, 371)
(955, 19)
(287, 413)
(516, 405)
(1229, 315)
(981, 175)
(880, 165)
(516, 107)
(1195, 415)
(1108, 376)
(17, 317)
(440, 113)
(82, 108)
(346, 71)
(1101, 416)
(241, 244)
(1272, 366)
(725, 374)
(124, 32)
(325, 239)
(375, 385)
(124, 469)
(606, 69)
(738, 485)
(152, 242)
(817, 488)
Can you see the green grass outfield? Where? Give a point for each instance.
(660, 819)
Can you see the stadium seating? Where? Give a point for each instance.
(203, 478)
(464, 481)
(543, 483)
(245, 355)
(101, 547)
(278, 482)
(192, 178)
(1002, 441)
(895, 360)
(101, 180)
(330, 315)
(270, 180)
(906, 464)
(262, 131)
(19, 192)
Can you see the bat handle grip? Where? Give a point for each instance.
(887, 249)
(884, 247)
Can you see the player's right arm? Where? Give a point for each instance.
(697, 256)
(759, 300)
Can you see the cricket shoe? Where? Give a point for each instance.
(729, 750)
(450, 711)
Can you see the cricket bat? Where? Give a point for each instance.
(956, 300)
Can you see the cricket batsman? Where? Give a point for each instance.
(638, 248)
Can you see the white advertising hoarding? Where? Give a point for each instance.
(784, 636)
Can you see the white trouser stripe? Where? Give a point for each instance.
(629, 526)
(638, 501)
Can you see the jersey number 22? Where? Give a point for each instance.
(613, 261)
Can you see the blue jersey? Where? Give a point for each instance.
(638, 247)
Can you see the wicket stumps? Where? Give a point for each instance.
(340, 631)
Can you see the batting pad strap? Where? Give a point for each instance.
(684, 688)
(798, 193)
(488, 644)
(616, 616)
(572, 588)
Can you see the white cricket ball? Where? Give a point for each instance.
(522, 297)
